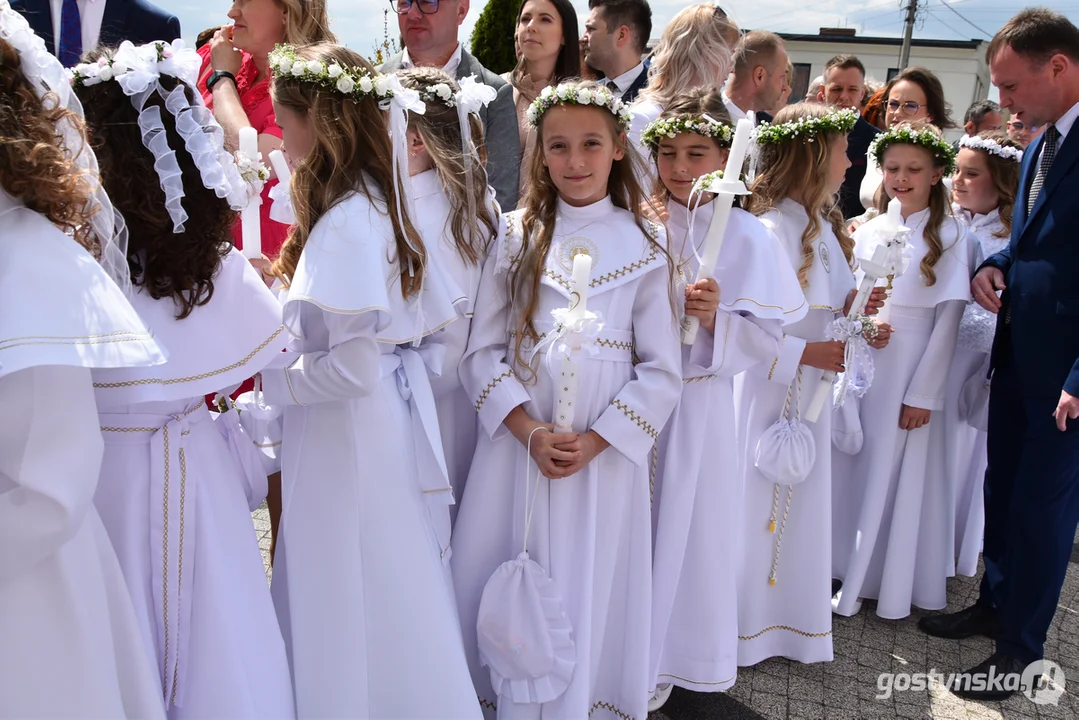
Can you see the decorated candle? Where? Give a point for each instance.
(250, 219)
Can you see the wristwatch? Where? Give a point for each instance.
(217, 75)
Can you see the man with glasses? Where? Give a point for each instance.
(429, 33)
(1022, 133)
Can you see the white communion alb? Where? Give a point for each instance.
(590, 531)
(889, 523)
(72, 646)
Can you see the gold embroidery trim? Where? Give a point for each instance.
(606, 277)
(490, 387)
(652, 475)
(767, 307)
(194, 378)
(632, 415)
(119, 337)
(180, 564)
(484, 702)
(775, 362)
(698, 682)
(702, 378)
(198, 405)
(788, 628)
(288, 381)
(611, 709)
(165, 563)
(615, 344)
(268, 445)
(826, 307)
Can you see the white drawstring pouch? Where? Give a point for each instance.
(786, 451)
(524, 634)
(847, 436)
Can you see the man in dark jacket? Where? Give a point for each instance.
(843, 86)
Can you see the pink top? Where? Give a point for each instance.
(255, 98)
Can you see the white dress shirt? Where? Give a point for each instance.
(450, 68)
(626, 79)
(1063, 126)
(91, 13)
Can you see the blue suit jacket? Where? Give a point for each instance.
(1038, 324)
(134, 20)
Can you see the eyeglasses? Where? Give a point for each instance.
(427, 7)
(1018, 125)
(908, 108)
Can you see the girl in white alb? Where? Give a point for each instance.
(178, 483)
(699, 479)
(888, 517)
(983, 193)
(589, 528)
(458, 219)
(360, 589)
(785, 572)
(70, 643)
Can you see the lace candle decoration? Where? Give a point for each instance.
(250, 219)
(874, 268)
(574, 318)
(280, 194)
(725, 189)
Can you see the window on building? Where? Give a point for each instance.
(892, 72)
(800, 82)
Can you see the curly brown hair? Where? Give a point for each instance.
(35, 165)
(166, 263)
(352, 153)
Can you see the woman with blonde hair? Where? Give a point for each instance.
(696, 48)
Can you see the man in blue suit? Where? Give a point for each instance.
(72, 27)
(1032, 483)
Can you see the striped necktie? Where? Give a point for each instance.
(70, 34)
(1049, 151)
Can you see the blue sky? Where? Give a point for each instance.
(359, 23)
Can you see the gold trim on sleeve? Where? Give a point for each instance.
(788, 628)
(490, 387)
(116, 337)
(632, 415)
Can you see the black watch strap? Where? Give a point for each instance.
(217, 75)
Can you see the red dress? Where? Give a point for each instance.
(255, 98)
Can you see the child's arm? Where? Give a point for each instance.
(926, 390)
(486, 375)
(635, 417)
(349, 369)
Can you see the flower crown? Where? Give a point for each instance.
(438, 93)
(701, 184)
(942, 151)
(353, 83)
(571, 94)
(699, 125)
(991, 146)
(806, 128)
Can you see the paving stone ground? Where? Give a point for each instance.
(866, 646)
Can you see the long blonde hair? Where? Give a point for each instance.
(540, 204)
(306, 22)
(940, 209)
(795, 169)
(352, 153)
(696, 48)
(440, 129)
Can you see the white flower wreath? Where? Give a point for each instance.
(806, 128)
(976, 142)
(699, 125)
(355, 83)
(570, 93)
(942, 150)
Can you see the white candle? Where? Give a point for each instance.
(566, 394)
(582, 272)
(250, 217)
(717, 228)
(895, 214)
(280, 167)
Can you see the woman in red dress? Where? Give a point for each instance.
(234, 80)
